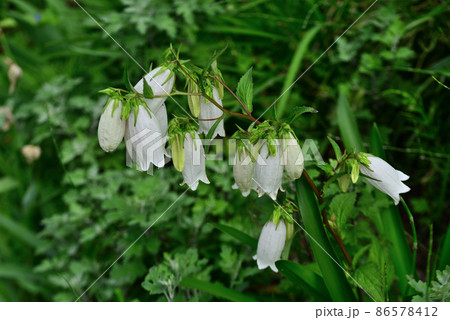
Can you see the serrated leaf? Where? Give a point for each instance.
(337, 150)
(370, 278)
(148, 92)
(244, 91)
(342, 206)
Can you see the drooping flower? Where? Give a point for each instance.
(387, 179)
(292, 157)
(243, 172)
(111, 127)
(145, 140)
(194, 162)
(270, 245)
(211, 111)
(161, 84)
(268, 172)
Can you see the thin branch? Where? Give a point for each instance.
(231, 91)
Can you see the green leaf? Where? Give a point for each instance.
(392, 227)
(342, 206)
(19, 231)
(126, 80)
(239, 235)
(244, 91)
(305, 277)
(216, 289)
(148, 92)
(294, 68)
(8, 184)
(444, 258)
(347, 124)
(213, 128)
(333, 275)
(337, 150)
(371, 279)
(297, 112)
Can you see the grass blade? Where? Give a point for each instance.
(304, 277)
(239, 235)
(347, 124)
(294, 68)
(216, 290)
(333, 276)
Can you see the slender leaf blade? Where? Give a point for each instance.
(238, 235)
(216, 289)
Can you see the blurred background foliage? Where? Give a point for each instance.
(66, 216)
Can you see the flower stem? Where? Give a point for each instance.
(231, 91)
(413, 227)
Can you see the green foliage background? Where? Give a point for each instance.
(67, 217)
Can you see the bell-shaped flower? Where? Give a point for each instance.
(243, 172)
(270, 245)
(268, 172)
(111, 127)
(194, 162)
(293, 160)
(145, 140)
(385, 178)
(211, 111)
(161, 83)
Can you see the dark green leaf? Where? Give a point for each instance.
(305, 277)
(337, 150)
(216, 289)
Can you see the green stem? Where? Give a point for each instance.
(413, 227)
(430, 251)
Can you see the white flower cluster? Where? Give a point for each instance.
(265, 174)
(146, 129)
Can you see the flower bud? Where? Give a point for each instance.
(177, 147)
(268, 172)
(210, 111)
(111, 127)
(194, 164)
(270, 245)
(292, 157)
(344, 182)
(243, 172)
(194, 100)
